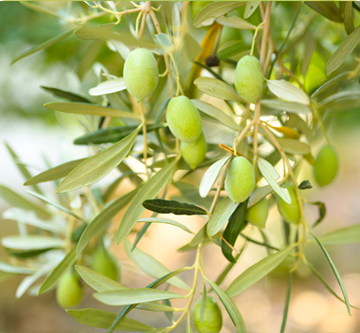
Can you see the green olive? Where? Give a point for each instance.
(212, 321)
(69, 292)
(289, 212)
(326, 165)
(194, 153)
(240, 179)
(141, 73)
(257, 214)
(249, 79)
(184, 119)
(197, 6)
(104, 263)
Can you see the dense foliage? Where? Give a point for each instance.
(226, 88)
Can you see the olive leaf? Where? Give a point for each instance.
(257, 271)
(31, 242)
(327, 9)
(98, 166)
(148, 191)
(113, 134)
(57, 172)
(209, 178)
(217, 114)
(91, 109)
(344, 50)
(230, 307)
(104, 319)
(220, 216)
(322, 211)
(173, 207)
(43, 45)
(348, 235)
(235, 22)
(217, 88)
(348, 17)
(292, 146)
(250, 8)
(236, 224)
(65, 94)
(149, 220)
(108, 87)
(151, 266)
(288, 91)
(287, 303)
(215, 10)
(102, 219)
(284, 106)
(270, 174)
(14, 269)
(305, 185)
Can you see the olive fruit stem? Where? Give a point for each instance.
(255, 36)
(298, 196)
(145, 149)
(242, 135)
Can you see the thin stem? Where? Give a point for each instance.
(256, 129)
(255, 36)
(145, 138)
(265, 34)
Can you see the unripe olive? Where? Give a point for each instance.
(257, 214)
(141, 73)
(249, 79)
(69, 292)
(184, 119)
(212, 320)
(289, 212)
(197, 6)
(326, 165)
(240, 179)
(194, 153)
(104, 264)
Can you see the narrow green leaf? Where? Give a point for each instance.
(217, 88)
(292, 146)
(97, 281)
(230, 307)
(279, 105)
(22, 168)
(215, 10)
(133, 296)
(98, 166)
(287, 303)
(113, 134)
(65, 94)
(250, 8)
(8, 268)
(43, 45)
(257, 271)
(17, 200)
(270, 174)
(95, 110)
(317, 273)
(269, 246)
(343, 101)
(102, 219)
(235, 22)
(220, 216)
(344, 50)
(166, 221)
(217, 114)
(258, 194)
(31, 242)
(27, 254)
(199, 237)
(57, 172)
(348, 235)
(236, 224)
(173, 207)
(59, 270)
(336, 273)
(288, 91)
(209, 178)
(103, 319)
(108, 87)
(151, 266)
(327, 9)
(56, 205)
(349, 18)
(148, 191)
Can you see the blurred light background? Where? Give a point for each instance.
(33, 132)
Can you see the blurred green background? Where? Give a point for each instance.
(33, 131)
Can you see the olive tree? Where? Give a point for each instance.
(224, 90)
